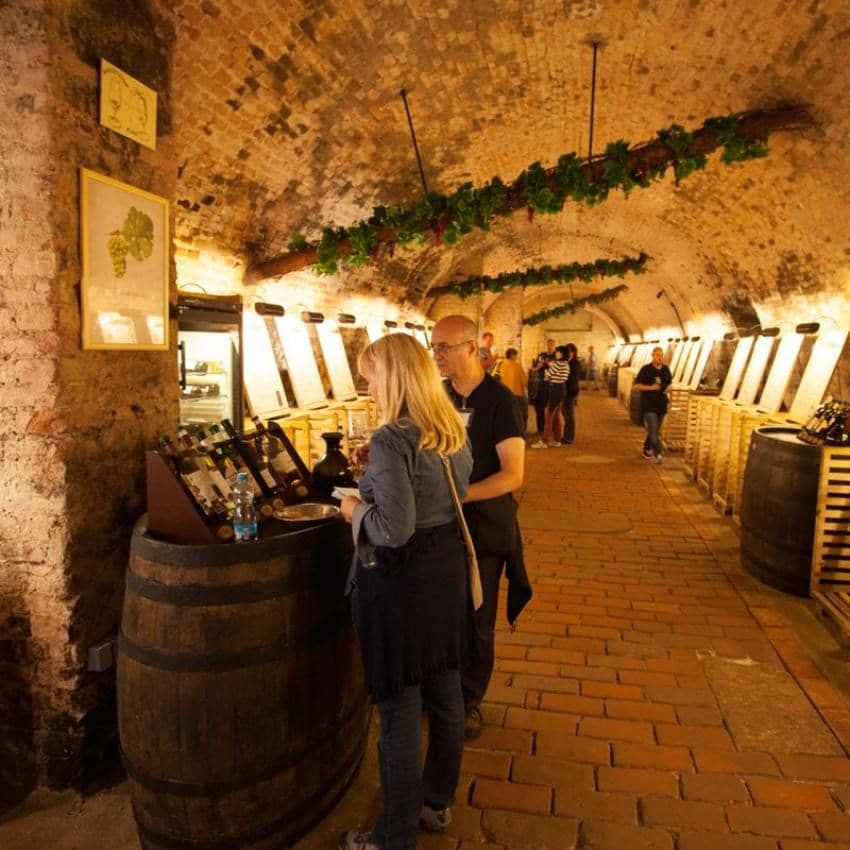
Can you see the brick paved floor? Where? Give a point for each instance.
(652, 695)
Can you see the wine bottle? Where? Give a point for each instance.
(202, 458)
(259, 466)
(282, 457)
(230, 450)
(196, 480)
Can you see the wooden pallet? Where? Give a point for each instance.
(831, 555)
(691, 434)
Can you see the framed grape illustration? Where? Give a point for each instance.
(125, 262)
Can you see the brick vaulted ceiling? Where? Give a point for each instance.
(287, 116)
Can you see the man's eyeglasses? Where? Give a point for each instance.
(445, 348)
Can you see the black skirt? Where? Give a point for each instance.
(410, 610)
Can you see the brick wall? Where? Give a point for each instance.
(75, 422)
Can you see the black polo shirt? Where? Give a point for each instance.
(653, 401)
(496, 417)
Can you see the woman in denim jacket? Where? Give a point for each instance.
(410, 591)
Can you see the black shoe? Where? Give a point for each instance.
(474, 724)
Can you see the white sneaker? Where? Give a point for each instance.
(539, 445)
(659, 458)
(554, 444)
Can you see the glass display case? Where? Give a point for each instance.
(209, 350)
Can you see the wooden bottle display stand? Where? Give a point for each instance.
(172, 515)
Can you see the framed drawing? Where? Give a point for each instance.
(125, 262)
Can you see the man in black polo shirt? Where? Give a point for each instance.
(493, 421)
(653, 381)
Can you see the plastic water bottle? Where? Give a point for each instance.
(244, 514)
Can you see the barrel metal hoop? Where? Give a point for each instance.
(186, 595)
(212, 555)
(342, 775)
(222, 661)
(226, 786)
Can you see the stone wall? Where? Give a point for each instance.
(32, 522)
(76, 422)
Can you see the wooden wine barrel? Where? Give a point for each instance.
(635, 412)
(778, 508)
(612, 382)
(242, 710)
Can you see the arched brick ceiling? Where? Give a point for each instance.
(288, 117)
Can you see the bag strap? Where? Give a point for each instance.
(472, 559)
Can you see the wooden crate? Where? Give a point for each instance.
(706, 459)
(705, 413)
(675, 431)
(692, 434)
(831, 555)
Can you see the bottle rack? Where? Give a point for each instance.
(172, 515)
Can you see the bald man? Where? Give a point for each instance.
(492, 417)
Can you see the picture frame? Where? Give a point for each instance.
(125, 256)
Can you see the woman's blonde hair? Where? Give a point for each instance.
(408, 388)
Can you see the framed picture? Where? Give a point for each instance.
(125, 263)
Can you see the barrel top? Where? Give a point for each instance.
(784, 434)
(225, 554)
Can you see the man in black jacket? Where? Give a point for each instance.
(493, 421)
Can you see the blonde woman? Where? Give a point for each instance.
(410, 593)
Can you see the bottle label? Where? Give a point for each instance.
(268, 478)
(282, 462)
(244, 531)
(201, 487)
(223, 484)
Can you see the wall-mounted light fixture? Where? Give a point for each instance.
(695, 339)
(768, 332)
(345, 318)
(808, 328)
(263, 308)
(410, 325)
(389, 323)
(730, 335)
(312, 318)
(419, 327)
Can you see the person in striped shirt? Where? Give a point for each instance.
(556, 381)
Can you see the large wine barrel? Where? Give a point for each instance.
(612, 381)
(778, 508)
(242, 709)
(635, 411)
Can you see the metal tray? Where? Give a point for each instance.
(307, 512)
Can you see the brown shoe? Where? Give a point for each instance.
(474, 725)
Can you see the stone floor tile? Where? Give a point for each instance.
(512, 796)
(770, 791)
(834, 826)
(598, 805)
(638, 781)
(559, 773)
(764, 820)
(604, 835)
(529, 832)
(709, 841)
(714, 787)
(683, 814)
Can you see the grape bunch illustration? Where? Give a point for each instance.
(134, 238)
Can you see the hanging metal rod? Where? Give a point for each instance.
(595, 44)
(403, 94)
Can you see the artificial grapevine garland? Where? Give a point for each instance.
(447, 218)
(575, 305)
(544, 275)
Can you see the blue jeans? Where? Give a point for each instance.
(404, 784)
(652, 443)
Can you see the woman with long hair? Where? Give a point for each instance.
(555, 381)
(410, 598)
(571, 399)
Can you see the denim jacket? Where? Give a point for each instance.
(403, 488)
